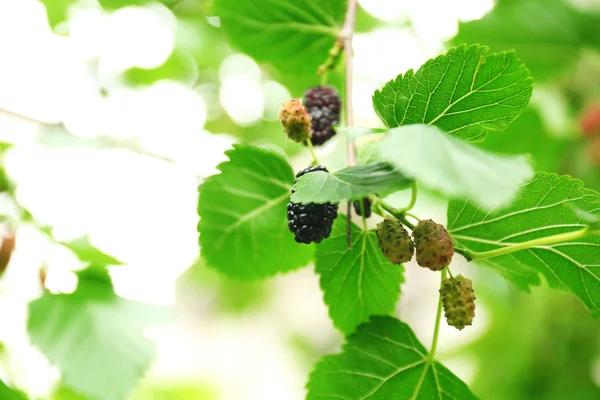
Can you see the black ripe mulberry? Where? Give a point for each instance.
(458, 300)
(367, 206)
(323, 105)
(311, 222)
(434, 245)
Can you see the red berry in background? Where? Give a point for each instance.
(6, 249)
(594, 151)
(590, 120)
(323, 105)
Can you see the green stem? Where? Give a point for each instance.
(324, 77)
(449, 272)
(436, 329)
(413, 199)
(560, 238)
(412, 216)
(397, 214)
(312, 151)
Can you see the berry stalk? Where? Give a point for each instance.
(436, 329)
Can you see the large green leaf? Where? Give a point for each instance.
(243, 225)
(548, 205)
(548, 35)
(94, 337)
(350, 183)
(384, 360)
(454, 168)
(463, 92)
(294, 36)
(358, 282)
(7, 393)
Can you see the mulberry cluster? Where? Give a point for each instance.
(394, 241)
(323, 105)
(311, 222)
(458, 301)
(434, 245)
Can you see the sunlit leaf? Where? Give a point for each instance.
(384, 360)
(243, 216)
(94, 337)
(548, 205)
(463, 92)
(294, 36)
(358, 282)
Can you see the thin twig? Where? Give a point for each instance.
(345, 36)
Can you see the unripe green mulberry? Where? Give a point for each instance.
(295, 120)
(458, 300)
(394, 241)
(434, 245)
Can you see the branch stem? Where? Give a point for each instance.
(345, 37)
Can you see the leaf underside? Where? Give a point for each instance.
(454, 168)
(352, 183)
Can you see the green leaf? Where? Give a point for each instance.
(384, 360)
(358, 282)
(94, 337)
(7, 393)
(463, 92)
(243, 216)
(548, 35)
(548, 205)
(85, 251)
(350, 183)
(455, 168)
(294, 36)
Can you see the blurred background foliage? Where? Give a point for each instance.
(210, 86)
